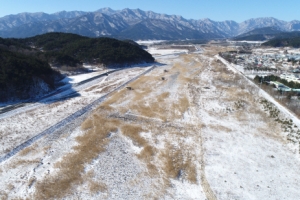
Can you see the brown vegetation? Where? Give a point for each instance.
(96, 187)
(147, 100)
(87, 124)
(27, 150)
(133, 132)
(72, 165)
(178, 164)
(22, 162)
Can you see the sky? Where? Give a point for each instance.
(217, 10)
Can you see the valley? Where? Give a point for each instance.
(190, 126)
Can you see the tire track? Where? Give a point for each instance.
(58, 126)
(204, 183)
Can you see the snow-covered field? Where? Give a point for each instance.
(252, 42)
(21, 124)
(193, 128)
(155, 51)
(149, 42)
(82, 77)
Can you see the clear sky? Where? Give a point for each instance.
(218, 10)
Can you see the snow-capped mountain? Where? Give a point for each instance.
(133, 24)
(252, 24)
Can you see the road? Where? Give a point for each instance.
(68, 120)
(55, 92)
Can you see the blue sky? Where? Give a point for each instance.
(218, 10)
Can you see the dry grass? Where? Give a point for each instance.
(144, 86)
(211, 50)
(242, 116)
(141, 93)
(171, 166)
(18, 163)
(159, 108)
(148, 152)
(179, 67)
(220, 67)
(154, 110)
(115, 98)
(183, 104)
(178, 164)
(189, 69)
(27, 150)
(163, 96)
(10, 187)
(133, 132)
(70, 171)
(87, 124)
(95, 187)
(147, 155)
(219, 128)
(142, 81)
(71, 168)
(192, 173)
(91, 88)
(225, 78)
(234, 94)
(3, 195)
(108, 88)
(31, 181)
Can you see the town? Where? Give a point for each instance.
(275, 70)
(283, 63)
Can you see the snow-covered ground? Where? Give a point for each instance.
(149, 42)
(81, 77)
(21, 124)
(247, 41)
(156, 51)
(194, 128)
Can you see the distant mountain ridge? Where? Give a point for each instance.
(267, 33)
(132, 24)
(259, 34)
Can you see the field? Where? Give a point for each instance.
(192, 128)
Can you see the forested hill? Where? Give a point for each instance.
(72, 49)
(259, 34)
(24, 76)
(284, 42)
(25, 63)
(60, 49)
(267, 33)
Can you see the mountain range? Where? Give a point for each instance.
(133, 24)
(267, 33)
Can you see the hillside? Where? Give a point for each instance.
(259, 34)
(156, 29)
(268, 33)
(72, 49)
(24, 76)
(65, 49)
(291, 40)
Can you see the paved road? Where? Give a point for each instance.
(56, 92)
(67, 120)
